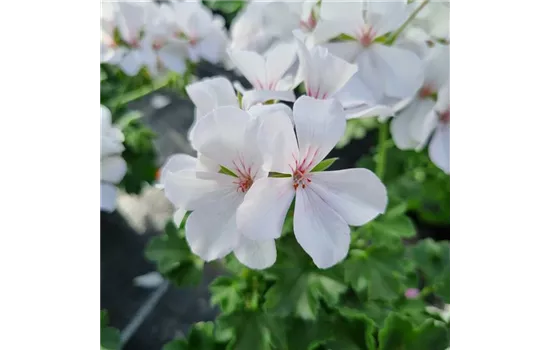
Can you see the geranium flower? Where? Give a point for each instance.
(113, 166)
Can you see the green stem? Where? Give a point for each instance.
(382, 150)
(399, 30)
(138, 93)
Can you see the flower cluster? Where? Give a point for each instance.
(113, 166)
(160, 37)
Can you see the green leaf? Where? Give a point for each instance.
(378, 269)
(201, 336)
(396, 334)
(227, 293)
(324, 164)
(305, 335)
(110, 337)
(433, 260)
(299, 286)
(173, 258)
(397, 226)
(224, 170)
(249, 330)
(275, 174)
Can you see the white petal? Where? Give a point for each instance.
(325, 73)
(386, 16)
(192, 190)
(257, 255)
(443, 102)
(212, 46)
(113, 169)
(370, 74)
(365, 111)
(175, 163)
(355, 93)
(251, 65)
(279, 59)
(351, 11)
(108, 194)
(171, 56)
(440, 147)
(323, 234)
(319, 126)
(211, 231)
(258, 111)
(402, 70)
(178, 216)
(277, 141)
(423, 121)
(209, 93)
(263, 211)
(325, 30)
(346, 50)
(131, 63)
(400, 128)
(252, 97)
(357, 194)
(437, 66)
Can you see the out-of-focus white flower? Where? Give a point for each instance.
(327, 201)
(226, 137)
(426, 117)
(434, 19)
(390, 71)
(211, 93)
(113, 166)
(110, 51)
(201, 31)
(267, 74)
(328, 76)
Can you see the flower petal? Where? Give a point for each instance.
(370, 74)
(366, 111)
(251, 65)
(253, 97)
(108, 194)
(319, 126)
(257, 255)
(323, 234)
(211, 231)
(278, 59)
(437, 66)
(386, 16)
(440, 147)
(175, 163)
(263, 211)
(402, 70)
(191, 190)
(113, 169)
(131, 63)
(324, 73)
(171, 56)
(277, 142)
(357, 195)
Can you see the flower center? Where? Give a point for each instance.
(157, 45)
(366, 36)
(310, 24)
(245, 178)
(134, 43)
(425, 92)
(300, 178)
(244, 184)
(445, 116)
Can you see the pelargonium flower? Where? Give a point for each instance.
(211, 93)
(429, 112)
(110, 51)
(113, 166)
(326, 201)
(387, 71)
(227, 139)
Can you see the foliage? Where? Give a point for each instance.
(110, 337)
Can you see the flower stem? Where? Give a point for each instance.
(138, 93)
(399, 30)
(382, 150)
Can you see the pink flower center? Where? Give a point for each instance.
(301, 170)
(366, 36)
(157, 45)
(245, 178)
(445, 116)
(310, 24)
(134, 43)
(425, 92)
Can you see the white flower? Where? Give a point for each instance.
(424, 116)
(267, 74)
(175, 163)
(326, 76)
(226, 137)
(247, 30)
(110, 51)
(211, 93)
(203, 33)
(113, 166)
(326, 202)
(389, 71)
(434, 19)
